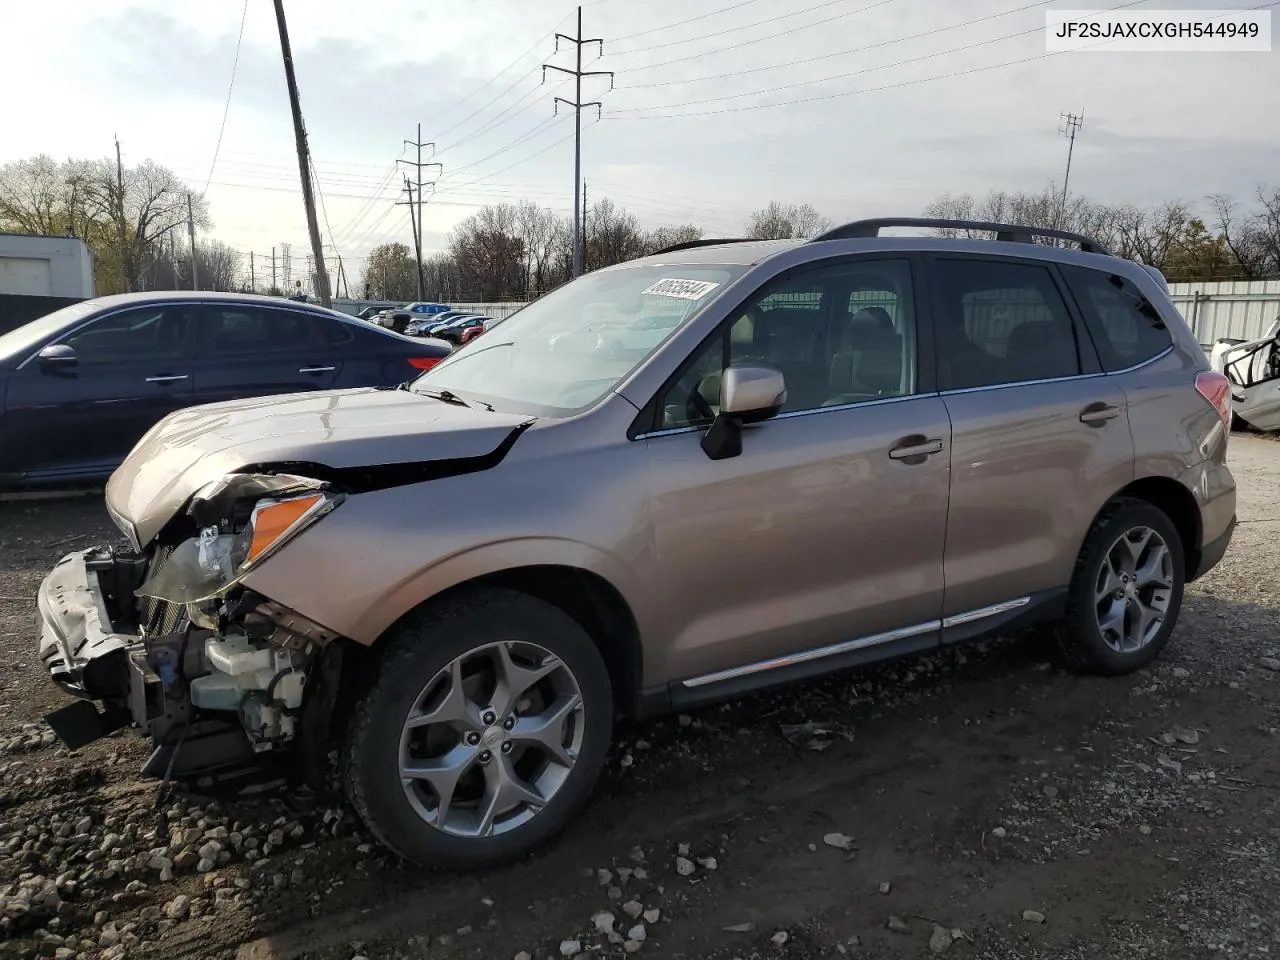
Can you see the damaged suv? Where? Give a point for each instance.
(726, 466)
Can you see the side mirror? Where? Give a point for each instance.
(747, 395)
(57, 357)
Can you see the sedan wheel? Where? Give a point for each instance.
(483, 732)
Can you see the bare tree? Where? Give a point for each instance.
(1240, 236)
(664, 237)
(784, 221)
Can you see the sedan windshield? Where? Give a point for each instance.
(561, 354)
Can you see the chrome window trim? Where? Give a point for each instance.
(1075, 376)
(859, 643)
(102, 316)
(672, 431)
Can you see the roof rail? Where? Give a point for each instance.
(690, 244)
(1017, 233)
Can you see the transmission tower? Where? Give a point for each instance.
(418, 228)
(576, 103)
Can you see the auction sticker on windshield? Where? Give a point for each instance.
(683, 289)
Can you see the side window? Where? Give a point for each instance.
(236, 330)
(1126, 328)
(1001, 322)
(143, 334)
(839, 333)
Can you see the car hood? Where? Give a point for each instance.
(336, 433)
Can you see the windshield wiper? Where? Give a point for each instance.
(448, 396)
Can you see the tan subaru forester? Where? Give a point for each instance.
(729, 465)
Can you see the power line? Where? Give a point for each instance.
(226, 108)
(839, 76)
(758, 23)
(681, 23)
(824, 56)
(887, 86)
(537, 43)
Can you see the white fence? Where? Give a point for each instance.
(1241, 309)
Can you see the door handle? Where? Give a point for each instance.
(316, 369)
(919, 449)
(1096, 414)
(168, 379)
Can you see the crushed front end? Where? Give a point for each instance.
(166, 638)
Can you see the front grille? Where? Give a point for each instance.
(160, 617)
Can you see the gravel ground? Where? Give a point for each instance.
(976, 803)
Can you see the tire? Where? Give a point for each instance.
(1082, 639)
(419, 657)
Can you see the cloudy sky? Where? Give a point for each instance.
(862, 107)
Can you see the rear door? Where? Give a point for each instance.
(133, 367)
(1040, 437)
(248, 350)
(828, 527)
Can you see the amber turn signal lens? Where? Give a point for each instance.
(273, 521)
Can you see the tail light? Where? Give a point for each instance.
(1216, 388)
(424, 363)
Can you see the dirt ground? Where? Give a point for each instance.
(975, 803)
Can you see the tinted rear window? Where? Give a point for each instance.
(1126, 328)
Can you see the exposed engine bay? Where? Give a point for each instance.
(168, 639)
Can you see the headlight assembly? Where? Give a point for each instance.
(211, 563)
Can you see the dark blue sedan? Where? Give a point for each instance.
(80, 386)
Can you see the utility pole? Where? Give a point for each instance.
(191, 235)
(413, 224)
(124, 258)
(418, 228)
(273, 271)
(304, 159)
(1071, 124)
(577, 73)
(253, 283)
(584, 226)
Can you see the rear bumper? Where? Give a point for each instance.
(1213, 552)
(78, 645)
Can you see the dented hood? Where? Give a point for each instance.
(340, 431)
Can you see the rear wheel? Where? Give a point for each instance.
(484, 731)
(1127, 590)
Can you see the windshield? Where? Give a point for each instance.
(18, 343)
(562, 353)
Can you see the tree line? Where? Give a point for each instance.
(1225, 239)
(134, 219)
(518, 251)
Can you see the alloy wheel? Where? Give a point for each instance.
(1133, 589)
(491, 739)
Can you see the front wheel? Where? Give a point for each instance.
(1126, 591)
(483, 732)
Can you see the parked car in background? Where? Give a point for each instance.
(470, 333)
(419, 326)
(455, 331)
(1253, 367)
(421, 307)
(742, 464)
(368, 313)
(81, 385)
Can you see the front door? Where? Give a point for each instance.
(1040, 437)
(132, 368)
(253, 351)
(828, 528)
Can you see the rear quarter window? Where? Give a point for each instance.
(1126, 328)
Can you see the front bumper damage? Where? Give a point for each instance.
(223, 708)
